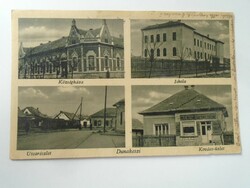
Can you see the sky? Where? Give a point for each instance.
(34, 31)
(217, 29)
(144, 97)
(51, 100)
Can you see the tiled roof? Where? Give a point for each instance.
(110, 112)
(188, 100)
(59, 43)
(167, 24)
(35, 112)
(137, 124)
(119, 102)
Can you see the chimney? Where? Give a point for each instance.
(186, 87)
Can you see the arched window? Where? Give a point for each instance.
(145, 53)
(174, 51)
(75, 59)
(158, 38)
(152, 53)
(158, 52)
(164, 51)
(91, 62)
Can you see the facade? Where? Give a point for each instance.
(137, 127)
(82, 54)
(97, 119)
(120, 115)
(189, 116)
(174, 40)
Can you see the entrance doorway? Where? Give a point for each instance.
(206, 131)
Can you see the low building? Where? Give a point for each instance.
(97, 119)
(189, 117)
(137, 127)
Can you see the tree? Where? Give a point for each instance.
(149, 53)
(184, 53)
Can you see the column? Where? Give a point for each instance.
(99, 57)
(82, 58)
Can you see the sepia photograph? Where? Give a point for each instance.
(54, 48)
(180, 48)
(70, 117)
(172, 116)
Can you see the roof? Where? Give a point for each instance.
(208, 37)
(59, 43)
(20, 113)
(137, 124)
(110, 112)
(118, 41)
(188, 100)
(167, 24)
(35, 112)
(122, 101)
(71, 115)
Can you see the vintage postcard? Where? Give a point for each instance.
(119, 84)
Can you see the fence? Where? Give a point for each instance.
(154, 141)
(143, 68)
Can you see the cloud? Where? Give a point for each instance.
(157, 95)
(200, 24)
(73, 90)
(33, 93)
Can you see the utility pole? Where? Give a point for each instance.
(105, 102)
(80, 114)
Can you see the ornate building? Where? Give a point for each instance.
(82, 54)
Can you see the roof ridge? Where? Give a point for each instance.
(197, 94)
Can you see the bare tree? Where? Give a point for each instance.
(150, 48)
(184, 53)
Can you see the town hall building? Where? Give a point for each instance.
(92, 53)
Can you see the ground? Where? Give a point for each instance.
(70, 139)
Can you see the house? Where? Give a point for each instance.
(188, 117)
(97, 119)
(174, 40)
(85, 53)
(34, 116)
(137, 127)
(120, 115)
(71, 120)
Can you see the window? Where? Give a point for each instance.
(174, 35)
(195, 54)
(164, 52)
(161, 129)
(205, 55)
(152, 53)
(205, 45)
(158, 52)
(188, 128)
(198, 55)
(106, 62)
(174, 51)
(95, 123)
(195, 42)
(145, 53)
(158, 38)
(146, 39)
(91, 62)
(118, 63)
(201, 56)
(198, 43)
(75, 63)
(152, 38)
(164, 37)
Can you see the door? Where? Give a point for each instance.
(206, 132)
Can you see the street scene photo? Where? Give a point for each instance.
(70, 48)
(172, 116)
(180, 48)
(70, 117)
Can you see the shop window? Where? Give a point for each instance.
(188, 128)
(174, 35)
(164, 37)
(161, 129)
